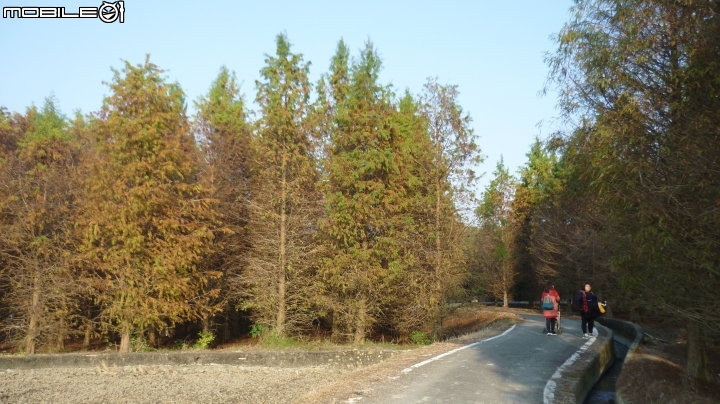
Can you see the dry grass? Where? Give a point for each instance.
(465, 322)
(662, 382)
(656, 373)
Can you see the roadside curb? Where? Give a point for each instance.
(626, 333)
(578, 378)
(349, 359)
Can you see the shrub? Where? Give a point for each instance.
(420, 338)
(257, 330)
(206, 338)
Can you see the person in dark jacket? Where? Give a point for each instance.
(589, 310)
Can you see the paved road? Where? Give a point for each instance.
(513, 368)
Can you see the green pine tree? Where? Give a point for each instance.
(365, 196)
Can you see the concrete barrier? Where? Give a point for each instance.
(347, 359)
(628, 334)
(579, 378)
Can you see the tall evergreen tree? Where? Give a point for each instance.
(38, 196)
(417, 291)
(497, 222)
(225, 137)
(365, 196)
(537, 181)
(455, 154)
(278, 286)
(332, 91)
(149, 222)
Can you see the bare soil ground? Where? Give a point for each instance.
(162, 384)
(216, 383)
(655, 373)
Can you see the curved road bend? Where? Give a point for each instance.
(511, 369)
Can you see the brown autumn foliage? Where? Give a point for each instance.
(148, 221)
(136, 224)
(38, 194)
(225, 146)
(277, 285)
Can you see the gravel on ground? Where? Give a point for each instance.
(163, 384)
(210, 383)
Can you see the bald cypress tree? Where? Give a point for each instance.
(365, 195)
(38, 196)
(497, 222)
(414, 302)
(148, 222)
(225, 137)
(283, 206)
(454, 155)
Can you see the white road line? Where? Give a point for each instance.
(549, 392)
(434, 358)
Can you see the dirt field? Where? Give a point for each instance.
(216, 383)
(162, 384)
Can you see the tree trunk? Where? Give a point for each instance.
(438, 261)
(226, 329)
(280, 326)
(697, 362)
(335, 327)
(438, 252)
(125, 340)
(206, 323)
(88, 330)
(360, 323)
(33, 320)
(634, 314)
(88, 334)
(152, 337)
(61, 336)
(505, 292)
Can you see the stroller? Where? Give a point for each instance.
(558, 326)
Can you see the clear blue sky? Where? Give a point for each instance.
(493, 50)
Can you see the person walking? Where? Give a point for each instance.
(589, 309)
(550, 295)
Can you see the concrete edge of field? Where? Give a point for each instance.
(350, 359)
(628, 334)
(580, 377)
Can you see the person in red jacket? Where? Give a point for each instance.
(550, 315)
